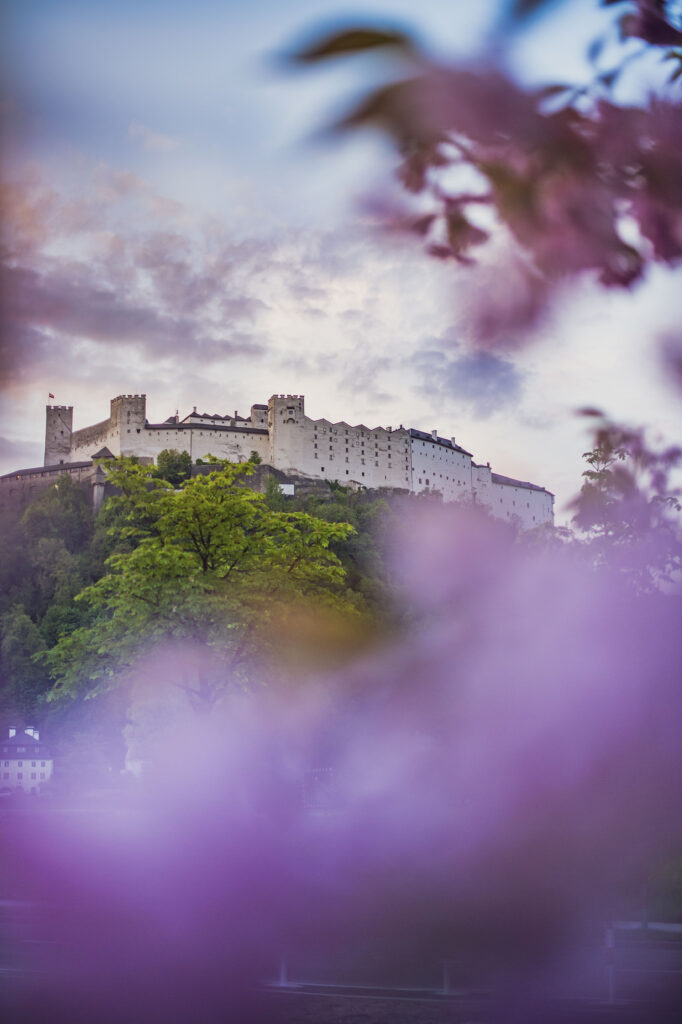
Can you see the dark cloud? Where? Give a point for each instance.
(20, 453)
(163, 292)
(483, 381)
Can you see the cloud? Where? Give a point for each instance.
(20, 453)
(145, 278)
(484, 382)
(153, 142)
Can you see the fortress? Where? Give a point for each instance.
(290, 441)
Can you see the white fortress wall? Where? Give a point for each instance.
(371, 456)
(509, 499)
(285, 437)
(440, 464)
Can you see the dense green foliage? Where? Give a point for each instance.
(173, 466)
(205, 560)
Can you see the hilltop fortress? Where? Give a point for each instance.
(290, 441)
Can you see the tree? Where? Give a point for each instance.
(274, 495)
(62, 512)
(173, 466)
(211, 565)
(24, 679)
(627, 511)
(555, 171)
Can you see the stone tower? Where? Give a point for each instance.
(128, 417)
(58, 430)
(286, 421)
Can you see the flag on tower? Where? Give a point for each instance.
(50, 395)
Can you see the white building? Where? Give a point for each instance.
(26, 761)
(285, 437)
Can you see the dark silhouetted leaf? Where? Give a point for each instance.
(548, 91)
(356, 40)
(422, 225)
(524, 8)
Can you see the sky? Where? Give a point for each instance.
(176, 223)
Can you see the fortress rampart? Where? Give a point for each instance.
(288, 440)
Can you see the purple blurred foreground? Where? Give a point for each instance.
(498, 772)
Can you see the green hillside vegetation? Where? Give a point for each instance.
(203, 560)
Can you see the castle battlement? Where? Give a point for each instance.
(285, 438)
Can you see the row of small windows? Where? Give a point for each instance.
(20, 764)
(20, 775)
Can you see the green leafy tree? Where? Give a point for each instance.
(275, 498)
(61, 512)
(24, 680)
(173, 466)
(211, 565)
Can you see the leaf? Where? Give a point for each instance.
(422, 225)
(609, 77)
(525, 8)
(355, 40)
(548, 91)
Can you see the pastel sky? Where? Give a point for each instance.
(172, 225)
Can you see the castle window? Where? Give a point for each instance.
(315, 455)
(346, 458)
(322, 468)
(346, 472)
(315, 446)
(363, 474)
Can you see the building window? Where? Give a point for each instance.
(20, 764)
(6, 764)
(33, 764)
(33, 775)
(20, 775)
(42, 764)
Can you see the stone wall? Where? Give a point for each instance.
(58, 434)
